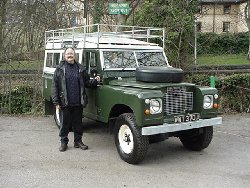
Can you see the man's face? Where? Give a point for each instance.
(69, 55)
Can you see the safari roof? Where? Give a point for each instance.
(106, 36)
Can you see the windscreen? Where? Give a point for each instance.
(119, 59)
(129, 59)
(150, 59)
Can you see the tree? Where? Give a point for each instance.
(177, 17)
(247, 18)
(123, 18)
(3, 4)
(23, 24)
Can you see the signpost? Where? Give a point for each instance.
(118, 8)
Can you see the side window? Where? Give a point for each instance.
(56, 59)
(53, 59)
(92, 59)
(49, 60)
(84, 59)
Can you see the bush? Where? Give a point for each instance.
(18, 100)
(234, 90)
(217, 44)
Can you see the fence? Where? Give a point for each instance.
(21, 86)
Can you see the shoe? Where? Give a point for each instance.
(80, 145)
(63, 147)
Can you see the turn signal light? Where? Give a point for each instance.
(147, 112)
(216, 105)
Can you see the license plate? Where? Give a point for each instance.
(186, 118)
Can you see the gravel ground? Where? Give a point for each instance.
(29, 157)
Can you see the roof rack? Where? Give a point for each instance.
(105, 31)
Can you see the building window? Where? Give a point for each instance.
(198, 26)
(226, 26)
(73, 21)
(199, 9)
(227, 9)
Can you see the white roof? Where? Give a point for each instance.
(103, 43)
(107, 36)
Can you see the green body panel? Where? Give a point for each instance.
(130, 95)
(104, 98)
(198, 102)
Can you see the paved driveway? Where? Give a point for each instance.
(29, 157)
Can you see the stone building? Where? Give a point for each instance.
(220, 16)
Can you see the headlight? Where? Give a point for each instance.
(155, 106)
(208, 102)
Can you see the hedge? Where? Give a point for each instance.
(20, 101)
(217, 44)
(234, 90)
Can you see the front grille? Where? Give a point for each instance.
(177, 101)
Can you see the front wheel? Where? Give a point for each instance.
(131, 145)
(197, 139)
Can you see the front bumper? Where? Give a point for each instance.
(166, 128)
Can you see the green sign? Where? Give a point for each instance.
(118, 8)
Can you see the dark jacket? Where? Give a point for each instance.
(58, 88)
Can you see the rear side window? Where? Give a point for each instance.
(92, 59)
(52, 60)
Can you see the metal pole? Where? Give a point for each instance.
(214, 19)
(212, 81)
(195, 43)
(133, 14)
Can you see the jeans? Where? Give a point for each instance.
(71, 118)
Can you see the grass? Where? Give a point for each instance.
(232, 59)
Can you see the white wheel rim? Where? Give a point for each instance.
(58, 115)
(126, 140)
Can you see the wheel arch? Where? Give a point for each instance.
(119, 109)
(116, 111)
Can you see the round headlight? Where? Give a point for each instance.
(155, 106)
(208, 102)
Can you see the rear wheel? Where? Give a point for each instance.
(197, 139)
(131, 145)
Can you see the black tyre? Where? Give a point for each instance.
(58, 117)
(197, 139)
(159, 74)
(131, 145)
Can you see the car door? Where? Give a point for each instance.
(91, 61)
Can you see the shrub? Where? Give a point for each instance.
(234, 90)
(217, 44)
(18, 100)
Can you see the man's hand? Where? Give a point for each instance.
(97, 78)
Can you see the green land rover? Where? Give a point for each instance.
(140, 96)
